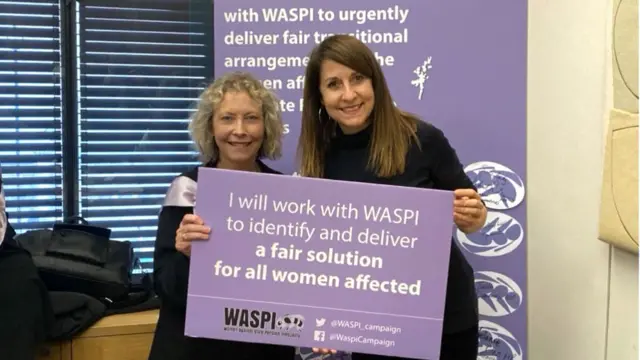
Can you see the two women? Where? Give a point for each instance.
(351, 131)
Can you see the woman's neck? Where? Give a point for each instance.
(354, 130)
(357, 140)
(252, 166)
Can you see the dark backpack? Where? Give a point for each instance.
(75, 256)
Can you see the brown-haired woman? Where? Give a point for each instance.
(352, 131)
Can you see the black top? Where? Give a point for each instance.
(171, 273)
(435, 166)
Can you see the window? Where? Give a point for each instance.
(30, 112)
(142, 65)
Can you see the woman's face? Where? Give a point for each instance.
(238, 129)
(347, 95)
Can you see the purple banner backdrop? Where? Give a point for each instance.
(460, 64)
(318, 263)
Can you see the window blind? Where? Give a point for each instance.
(142, 65)
(30, 112)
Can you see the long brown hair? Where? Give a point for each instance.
(393, 129)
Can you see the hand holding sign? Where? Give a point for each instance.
(317, 263)
(324, 351)
(191, 228)
(469, 212)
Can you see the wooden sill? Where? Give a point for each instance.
(123, 324)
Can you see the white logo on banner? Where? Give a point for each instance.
(497, 343)
(422, 74)
(290, 322)
(498, 294)
(499, 186)
(500, 235)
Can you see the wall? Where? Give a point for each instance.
(622, 334)
(622, 325)
(582, 294)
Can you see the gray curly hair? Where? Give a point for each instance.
(201, 128)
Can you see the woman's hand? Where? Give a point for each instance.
(191, 228)
(469, 213)
(324, 351)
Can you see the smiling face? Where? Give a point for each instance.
(238, 129)
(346, 95)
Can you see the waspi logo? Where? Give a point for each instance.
(262, 322)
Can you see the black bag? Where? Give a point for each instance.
(77, 257)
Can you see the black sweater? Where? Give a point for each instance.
(436, 165)
(171, 274)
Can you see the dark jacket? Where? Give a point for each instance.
(171, 273)
(25, 309)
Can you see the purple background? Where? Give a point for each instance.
(428, 261)
(476, 93)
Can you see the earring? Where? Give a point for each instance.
(320, 114)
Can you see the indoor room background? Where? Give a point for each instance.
(65, 158)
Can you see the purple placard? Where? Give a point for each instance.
(319, 263)
(474, 89)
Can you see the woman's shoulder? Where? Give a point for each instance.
(191, 174)
(422, 129)
(425, 129)
(182, 190)
(430, 136)
(267, 169)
